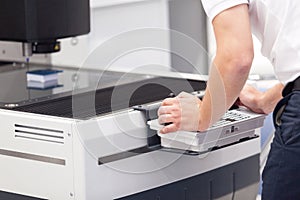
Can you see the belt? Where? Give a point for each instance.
(291, 86)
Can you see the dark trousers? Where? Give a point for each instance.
(281, 176)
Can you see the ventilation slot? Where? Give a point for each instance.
(38, 133)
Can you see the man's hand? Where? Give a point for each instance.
(260, 102)
(251, 98)
(180, 113)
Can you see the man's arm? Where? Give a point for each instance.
(231, 65)
(228, 74)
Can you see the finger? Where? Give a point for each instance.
(167, 118)
(164, 110)
(169, 101)
(169, 128)
(184, 95)
(167, 110)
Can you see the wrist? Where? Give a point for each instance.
(203, 123)
(260, 103)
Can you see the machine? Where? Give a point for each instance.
(87, 138)
(95, 144)
(39, 24)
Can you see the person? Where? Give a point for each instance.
(275, 24)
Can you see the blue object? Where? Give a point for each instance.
(281, 174)
(45, 88)
(44, 72)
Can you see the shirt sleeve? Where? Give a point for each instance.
(214, 7)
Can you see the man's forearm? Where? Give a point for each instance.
(223, 89)
(231, 65)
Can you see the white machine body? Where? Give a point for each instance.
(56, 158)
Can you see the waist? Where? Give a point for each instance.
(291, 86)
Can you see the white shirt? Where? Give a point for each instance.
(276, 24)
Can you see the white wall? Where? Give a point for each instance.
(110, 18)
